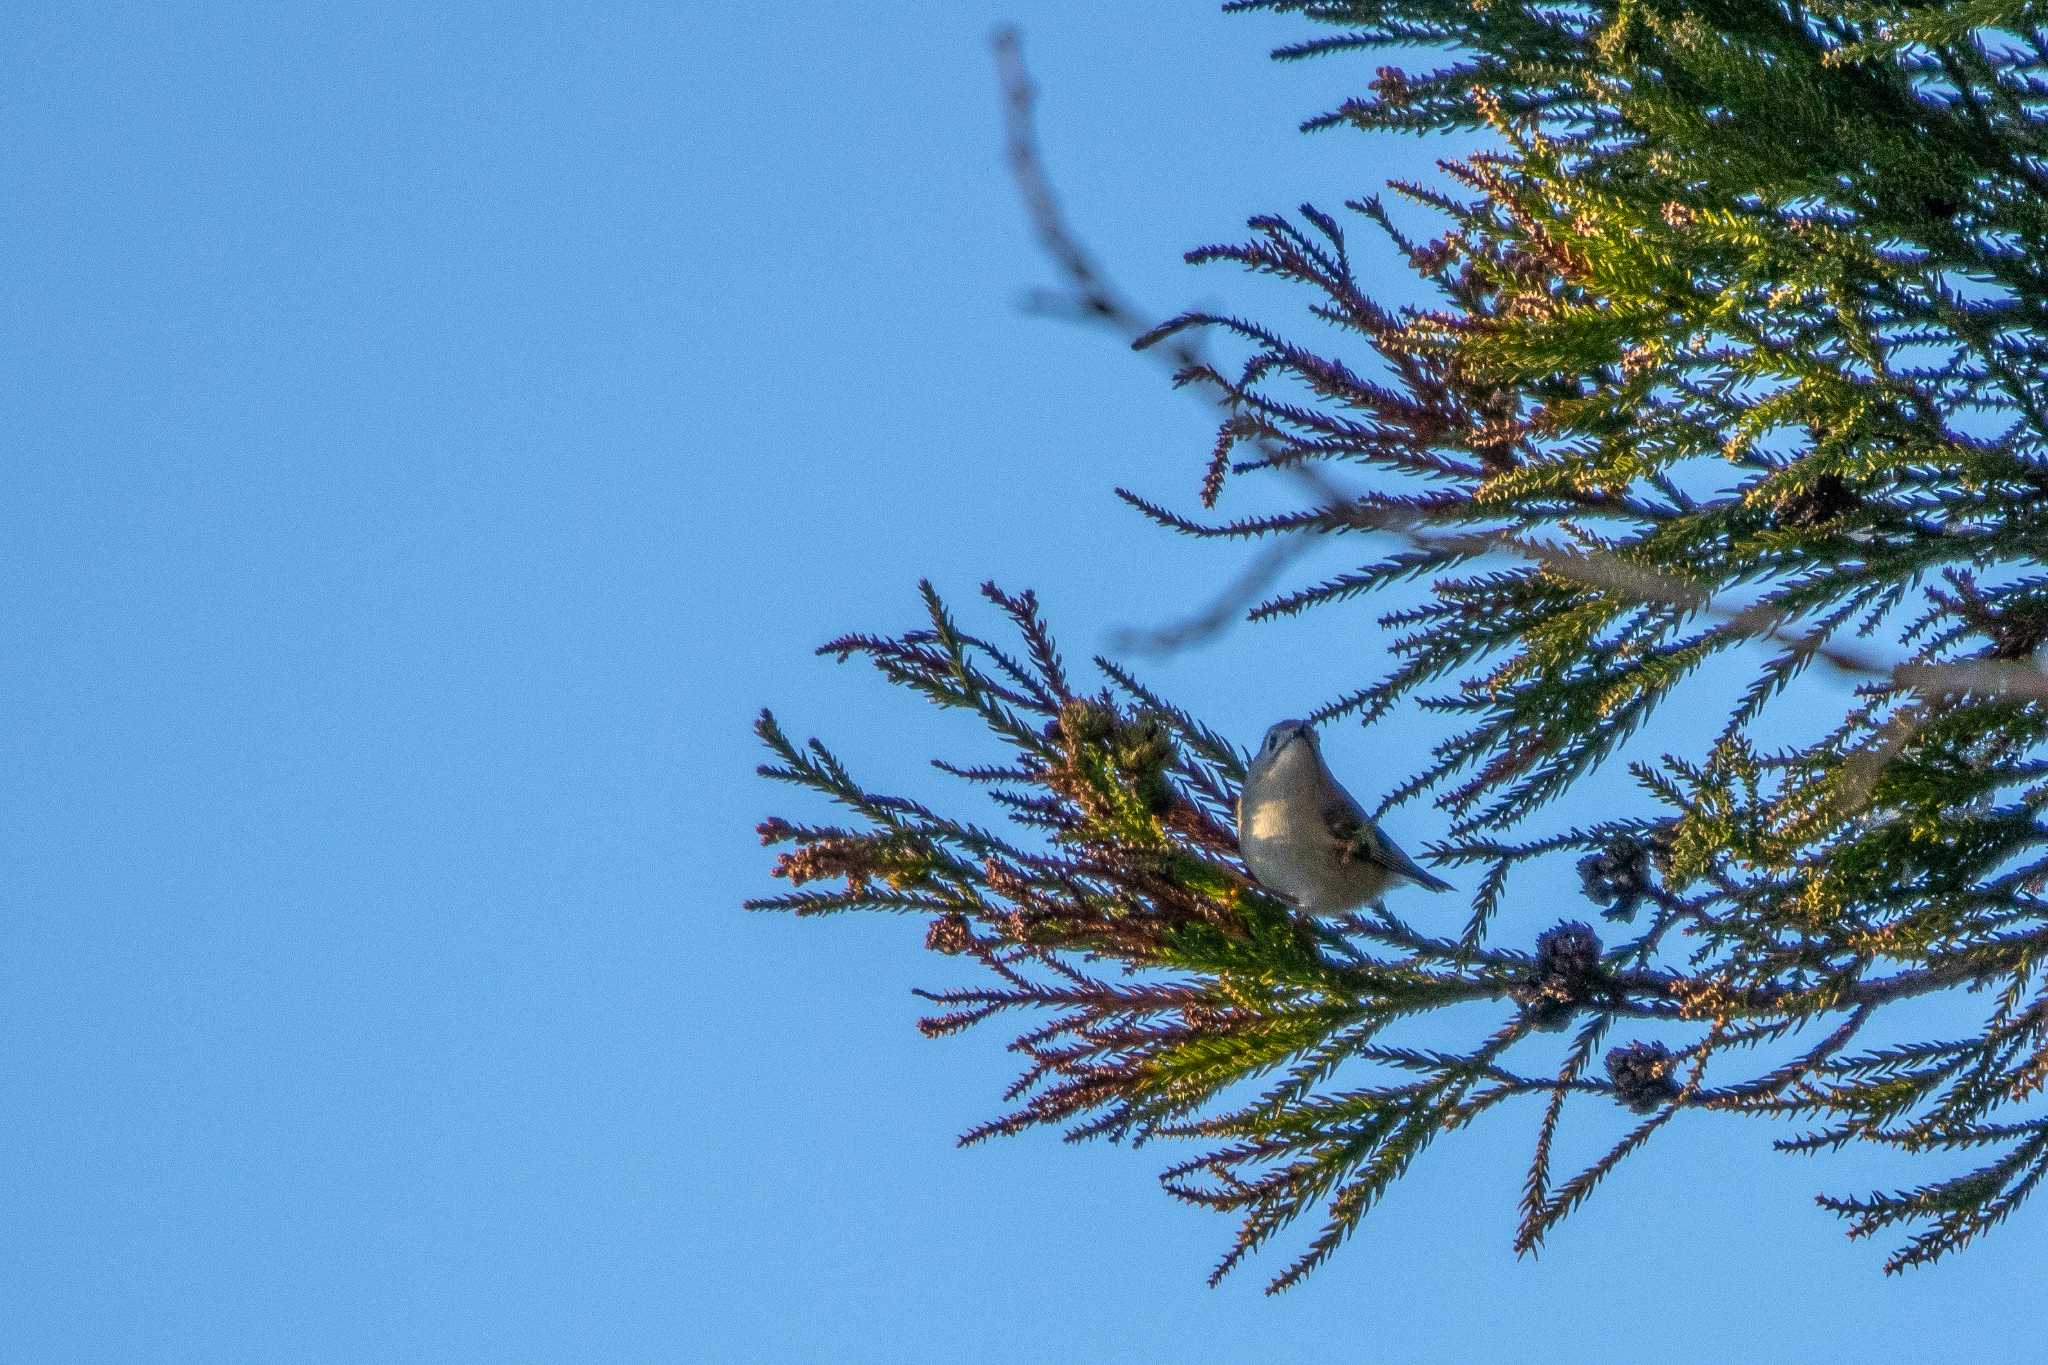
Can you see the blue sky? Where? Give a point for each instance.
(433, 431)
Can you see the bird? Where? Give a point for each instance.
(1306, 838)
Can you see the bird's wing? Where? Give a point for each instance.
(1363, 842)
(1348, 825)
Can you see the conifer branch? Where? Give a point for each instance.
(1738, 343)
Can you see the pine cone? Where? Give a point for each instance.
(950, 934)
(1617, 876)
(1566, 975)
(1641, 1073)
(1817, 504)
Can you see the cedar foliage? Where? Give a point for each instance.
(1735, 362)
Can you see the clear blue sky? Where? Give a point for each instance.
(431, 431)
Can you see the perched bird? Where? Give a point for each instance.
(1303, 836)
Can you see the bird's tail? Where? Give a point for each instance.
(1413, 871)
(1428, 879)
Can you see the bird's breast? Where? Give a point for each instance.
(1278, 848)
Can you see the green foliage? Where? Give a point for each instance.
(1738, 345)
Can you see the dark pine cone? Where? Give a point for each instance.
(1641, 1073)
(1817, 504)
(1566, 975)
(1617, 876)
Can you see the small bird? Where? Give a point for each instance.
(1305, 837)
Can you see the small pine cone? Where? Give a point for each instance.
(1641, 1073)
(828, 856)
(1817, 504)
(950, 934)
(1617, 876)
(1566, 975)
(1571, 950)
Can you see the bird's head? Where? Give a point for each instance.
(1280, 736)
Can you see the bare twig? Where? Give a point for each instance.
(1223, 610)
(1089, 293)
(1090, 296)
